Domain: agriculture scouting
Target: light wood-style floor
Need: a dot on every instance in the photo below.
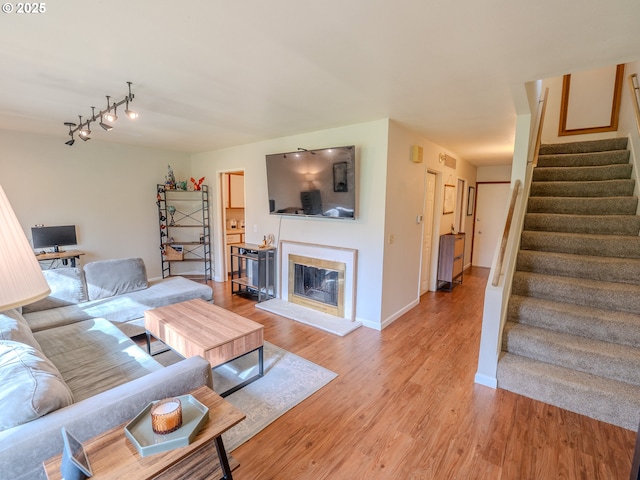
(405, 406)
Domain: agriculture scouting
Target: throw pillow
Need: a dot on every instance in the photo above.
(67, 288)
(14, 327)
(106, 278)
(31, 385)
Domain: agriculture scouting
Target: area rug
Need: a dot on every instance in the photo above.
(323, 321)
(288, 380)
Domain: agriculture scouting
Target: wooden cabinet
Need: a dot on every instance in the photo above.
(450, 260)
(236, 190)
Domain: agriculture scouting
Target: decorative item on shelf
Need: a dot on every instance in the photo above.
(197, 183)
(166, 416)
(181, 185)
(170, 179)
(267, 241)
(83, 129)
(172, 210)
(173, 252)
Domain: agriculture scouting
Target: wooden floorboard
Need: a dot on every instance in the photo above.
(405, 406)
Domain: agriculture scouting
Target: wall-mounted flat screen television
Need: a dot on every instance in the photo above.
(59, 236)
(313, 183)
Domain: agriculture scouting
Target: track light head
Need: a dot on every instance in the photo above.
(130, 113)
(105, 126)
(71, 141)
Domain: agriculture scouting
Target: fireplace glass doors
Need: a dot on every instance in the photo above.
(317, 284)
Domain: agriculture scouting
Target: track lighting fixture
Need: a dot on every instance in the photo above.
(110, 114)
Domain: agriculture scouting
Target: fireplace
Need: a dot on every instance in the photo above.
(317, 284)
(319, 277)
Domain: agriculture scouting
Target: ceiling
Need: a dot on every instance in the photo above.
(210, 74)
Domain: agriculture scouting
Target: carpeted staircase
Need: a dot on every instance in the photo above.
(572, 337)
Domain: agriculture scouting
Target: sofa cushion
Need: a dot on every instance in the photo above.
(106, 278)
(30, 385)
(14, 327)
(94, 355)
(67, 288)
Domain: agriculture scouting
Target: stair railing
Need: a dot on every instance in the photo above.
(497, 293)
(533, 159)
(635, 93)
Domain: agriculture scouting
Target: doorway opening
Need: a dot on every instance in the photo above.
(233, 215)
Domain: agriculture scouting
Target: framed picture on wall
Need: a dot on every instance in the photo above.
(471, 201)
(449, 203)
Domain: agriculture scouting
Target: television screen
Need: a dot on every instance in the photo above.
(45, 237)
(313, 183)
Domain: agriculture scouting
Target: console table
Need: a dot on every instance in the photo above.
(65, 256)
(112, 455)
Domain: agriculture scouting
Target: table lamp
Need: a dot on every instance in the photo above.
(21, 279)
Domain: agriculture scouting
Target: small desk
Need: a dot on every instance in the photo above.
(196, 327)
(64, 256)
(113, 456)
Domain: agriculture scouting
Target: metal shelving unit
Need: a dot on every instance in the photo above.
(253, 271)
(185, 232)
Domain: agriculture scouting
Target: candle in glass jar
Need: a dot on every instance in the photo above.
(166, 416)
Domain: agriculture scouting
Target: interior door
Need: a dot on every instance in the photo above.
(491, 211)
(427, 234)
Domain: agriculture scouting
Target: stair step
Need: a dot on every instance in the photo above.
(590, 293)
(588, 322)
(592, 224)
(584, 159)
(582, 174)
(604, 188)
(584, 205)
(603, 269)
(582, 244)
(606, 400)
(619, 362)
(585, 146)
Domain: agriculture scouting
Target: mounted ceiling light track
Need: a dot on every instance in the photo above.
(110, 114)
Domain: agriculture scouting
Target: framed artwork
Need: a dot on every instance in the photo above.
(449, 199)
(340, 177)
(471, 201)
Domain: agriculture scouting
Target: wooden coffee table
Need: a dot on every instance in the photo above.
(112, 455)
(196, 327)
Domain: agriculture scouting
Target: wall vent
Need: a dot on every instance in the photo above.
(448, 160)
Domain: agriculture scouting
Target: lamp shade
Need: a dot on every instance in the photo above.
(21, 279)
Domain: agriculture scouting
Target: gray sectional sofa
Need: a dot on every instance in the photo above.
(68, 360)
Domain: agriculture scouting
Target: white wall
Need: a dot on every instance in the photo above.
(497, 173)
(364, 234)
(107, 190)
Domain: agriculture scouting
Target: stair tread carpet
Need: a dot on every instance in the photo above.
(593, 188)
(584, 205)
(584, 159)
(583, 244)
(572, 351)
(604, 399)
(594, 224)
(588, 322)
(582, 174)
(590, 293)
(584, 147)
(603, 269)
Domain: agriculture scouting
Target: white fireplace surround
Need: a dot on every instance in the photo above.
(347, 256)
